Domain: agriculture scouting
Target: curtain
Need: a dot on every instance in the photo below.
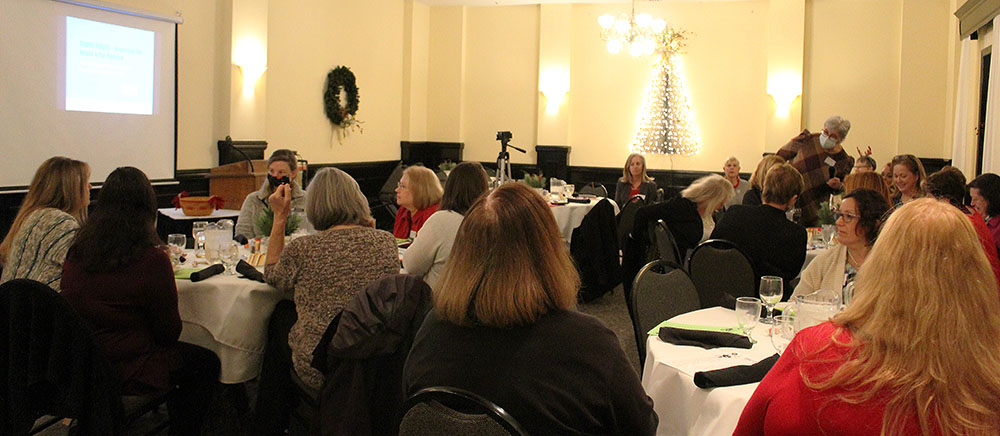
(960, 138)
(991, 162)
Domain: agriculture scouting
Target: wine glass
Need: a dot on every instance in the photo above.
(829, 232)
(747, 314)
(569, 190)
(230, 255)
(771, 290)
(782, 332)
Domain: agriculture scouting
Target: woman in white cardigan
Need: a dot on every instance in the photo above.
(430, 249)
(858, 220)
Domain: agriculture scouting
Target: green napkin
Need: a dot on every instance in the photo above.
(656, 330)
(184, 273)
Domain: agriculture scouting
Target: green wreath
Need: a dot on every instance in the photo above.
(340, 78)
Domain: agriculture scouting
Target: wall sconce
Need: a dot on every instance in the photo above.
(252, 61)
(554, 84)
(784, 88)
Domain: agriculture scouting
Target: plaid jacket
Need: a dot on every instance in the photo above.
(807, 156)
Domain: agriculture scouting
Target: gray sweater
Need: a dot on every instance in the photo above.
(255, 203)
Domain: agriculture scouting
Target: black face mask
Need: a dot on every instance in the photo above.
(276, 182)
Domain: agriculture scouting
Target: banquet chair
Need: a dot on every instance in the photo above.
(666, 246)
(662, 290)
(594, 188)
(721, 272)
(626, 217)
(52, 366)
(595, 252)
(441, 411)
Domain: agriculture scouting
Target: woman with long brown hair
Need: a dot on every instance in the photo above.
(504, 326)
(49, 217)
(914, 353)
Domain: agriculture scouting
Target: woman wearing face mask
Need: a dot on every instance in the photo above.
(282, 168)
(908, 175)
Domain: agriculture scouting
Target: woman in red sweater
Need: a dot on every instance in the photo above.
(915, 352)
(418, 195)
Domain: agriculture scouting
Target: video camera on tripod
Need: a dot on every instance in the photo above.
(503, 160)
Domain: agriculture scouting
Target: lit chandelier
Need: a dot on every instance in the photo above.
(637, 33)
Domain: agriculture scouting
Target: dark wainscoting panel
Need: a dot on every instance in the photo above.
(932, 165)
(430, 153)
(369, 175)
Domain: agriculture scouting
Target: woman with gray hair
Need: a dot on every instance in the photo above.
(282, 168)
(326, 269)
(823, 163)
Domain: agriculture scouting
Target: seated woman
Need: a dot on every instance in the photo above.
(50, 215)
(688, 216)
(752, 197)
(504, 326)
(429, 251)
(948, 185)
(914, 353)
(418, 195)
(326, 269)
(123, 287)
(867, 180)
(985, 194)
(908, 176)
(282, 168)
(634, 181)
(858, 221)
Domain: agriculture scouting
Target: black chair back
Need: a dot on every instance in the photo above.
(626, 217)
(445, 411)
(50, 364)
(662, 290)
(595, 252)
(594, 188)
(666, 246)
(721, 272)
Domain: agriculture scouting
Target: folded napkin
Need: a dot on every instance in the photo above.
(703, 339)
(578, 200)
(249, 271)
(207, 272)
(735, 375)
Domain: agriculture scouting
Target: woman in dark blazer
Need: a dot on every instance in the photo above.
(634, 181)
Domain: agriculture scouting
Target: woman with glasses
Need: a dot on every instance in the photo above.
(858, 220)
(419, 196)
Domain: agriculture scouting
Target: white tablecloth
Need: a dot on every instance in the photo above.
(570, 215)
(178, 214)
(229, 316)
(668, 378)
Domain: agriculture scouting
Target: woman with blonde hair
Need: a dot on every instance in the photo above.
(634, 181)
(50, 215)
(908, 176)
(914, 353)
(752, 197)
(419, 195)
(867, 180)
(504, 326)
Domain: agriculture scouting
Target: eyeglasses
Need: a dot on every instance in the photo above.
(848, 217)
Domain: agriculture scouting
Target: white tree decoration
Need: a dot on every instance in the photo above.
(667, 125)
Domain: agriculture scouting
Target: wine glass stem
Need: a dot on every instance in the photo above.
(770, 314)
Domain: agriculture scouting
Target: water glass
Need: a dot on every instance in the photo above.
(177, 242)
(230, 255)
(747, 314)
(569, 190)
(771, 291)
(782, 332)
(829, 232)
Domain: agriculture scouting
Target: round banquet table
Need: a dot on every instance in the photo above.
(668, 378)
(570, 215)
(228, 315)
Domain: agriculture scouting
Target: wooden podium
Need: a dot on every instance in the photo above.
(234, 181)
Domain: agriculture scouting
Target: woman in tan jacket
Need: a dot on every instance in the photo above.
(860, 216)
